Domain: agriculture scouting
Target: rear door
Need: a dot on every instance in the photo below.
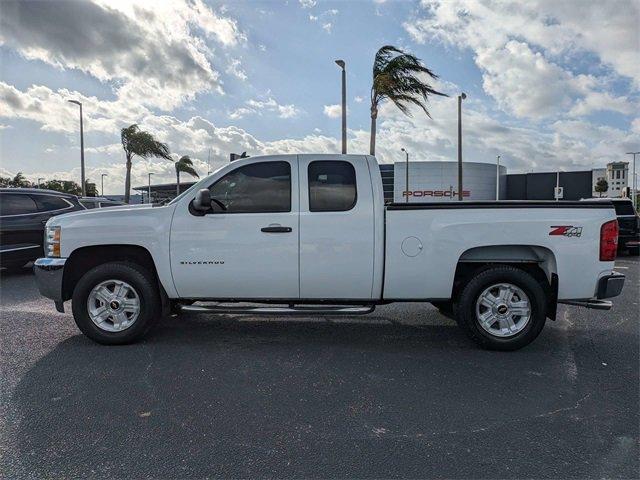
(336, 227)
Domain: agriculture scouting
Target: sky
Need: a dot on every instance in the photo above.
(551, 84)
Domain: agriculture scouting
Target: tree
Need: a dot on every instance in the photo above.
(602, 186)
(396, 77)
(185, 165)
(144, 145)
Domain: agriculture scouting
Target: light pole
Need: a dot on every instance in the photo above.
(461, 97)
(149, 188)
(633, 179)
(39, 178)
(102, 175)
(498, 178)
(82, 182)
(341, 64)
(406, 174)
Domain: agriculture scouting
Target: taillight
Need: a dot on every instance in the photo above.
(608, 241)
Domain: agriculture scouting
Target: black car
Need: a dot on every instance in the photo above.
(629, 224)
(23, 213)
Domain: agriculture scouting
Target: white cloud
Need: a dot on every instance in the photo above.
(151, 52)
(308, 3)
(521, 49)
(235, 69)
(333, 111)
(257, 107)
(358, 99)
(327, 27)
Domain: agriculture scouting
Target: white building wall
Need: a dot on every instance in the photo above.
(436, 181)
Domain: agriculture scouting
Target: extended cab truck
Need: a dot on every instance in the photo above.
(311, 234)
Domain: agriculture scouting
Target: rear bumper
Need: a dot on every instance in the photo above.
(609, 286)
(49, 273)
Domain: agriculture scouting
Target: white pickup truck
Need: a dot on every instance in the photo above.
(310, 234)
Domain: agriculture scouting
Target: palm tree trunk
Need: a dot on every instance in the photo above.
(372, 144)
(177, 182)
(127, 181)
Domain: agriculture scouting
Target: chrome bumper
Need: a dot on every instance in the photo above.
(49, 273)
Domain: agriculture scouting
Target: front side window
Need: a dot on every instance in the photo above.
(256, 188)
(332, 186)
(16, 204)
(87, 204)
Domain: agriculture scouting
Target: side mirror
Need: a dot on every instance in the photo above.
(202, 202)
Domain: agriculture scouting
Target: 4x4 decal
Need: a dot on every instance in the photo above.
(566, 230)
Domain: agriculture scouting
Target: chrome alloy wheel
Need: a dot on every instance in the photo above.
(113, 305)
(503, 310)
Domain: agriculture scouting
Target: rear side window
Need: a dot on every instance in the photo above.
(263, 187)
(624, 208)
(87, 204)
(16, 204)
(47, 203)
(332, 186)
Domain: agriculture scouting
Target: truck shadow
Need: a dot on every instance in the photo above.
(278, 398)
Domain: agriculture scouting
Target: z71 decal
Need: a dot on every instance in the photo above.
(566, 230)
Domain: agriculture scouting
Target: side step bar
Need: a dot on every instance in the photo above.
(291, 310)
(594, 304)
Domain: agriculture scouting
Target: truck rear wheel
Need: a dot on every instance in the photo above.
(502, 308)
(116, 303)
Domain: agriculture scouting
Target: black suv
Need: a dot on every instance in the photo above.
(23, 213)
(629, 224)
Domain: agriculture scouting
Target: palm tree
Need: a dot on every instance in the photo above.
(184, 165)
(396, 78)
(140, 143)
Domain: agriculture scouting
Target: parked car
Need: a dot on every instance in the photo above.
(23, 213)
(309, 234)
(98, 202)
(628, 222)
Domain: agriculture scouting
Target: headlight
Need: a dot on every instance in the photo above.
(52, 241)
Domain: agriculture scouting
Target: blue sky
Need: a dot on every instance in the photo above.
(550, 84)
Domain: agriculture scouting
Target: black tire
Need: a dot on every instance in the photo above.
(465, 308)
(145, 286)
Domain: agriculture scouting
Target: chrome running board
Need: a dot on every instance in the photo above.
(291, 310)
(594, 304)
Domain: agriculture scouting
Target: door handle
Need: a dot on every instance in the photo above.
(276, 229)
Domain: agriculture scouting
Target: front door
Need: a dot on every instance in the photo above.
(249, 250)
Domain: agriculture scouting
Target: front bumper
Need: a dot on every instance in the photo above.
(49, 273)
(609, 286)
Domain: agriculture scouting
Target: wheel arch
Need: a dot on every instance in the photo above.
(538, 261)
(84, 259)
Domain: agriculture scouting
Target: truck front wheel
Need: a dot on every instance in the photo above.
(502, 308)
(116, 303)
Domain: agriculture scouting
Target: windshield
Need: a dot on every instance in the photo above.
(624, 207)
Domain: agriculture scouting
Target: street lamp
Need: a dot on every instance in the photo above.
(149, 188)
(82, 184)
(498, 178)
(633, 180)
(406, 175)
(39, 178)
(341, 64)
(461, 97)
(102, 175)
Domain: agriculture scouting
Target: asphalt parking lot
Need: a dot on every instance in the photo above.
(399, 393)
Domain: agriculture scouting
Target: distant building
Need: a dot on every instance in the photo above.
(618, 178)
